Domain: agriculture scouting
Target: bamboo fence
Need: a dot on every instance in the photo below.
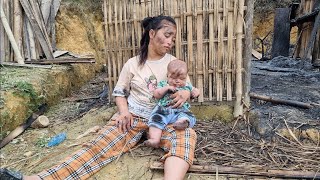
(210, 38)
(27, 29)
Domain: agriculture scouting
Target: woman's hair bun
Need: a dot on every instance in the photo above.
(146, 22)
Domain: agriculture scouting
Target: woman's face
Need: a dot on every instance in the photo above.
(162, 41)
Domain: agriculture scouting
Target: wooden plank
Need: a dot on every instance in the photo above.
(46, 10)
(41, 35)
(9, 33)
(281, 35)
(26, 65)
(62, 61)
(245, 171)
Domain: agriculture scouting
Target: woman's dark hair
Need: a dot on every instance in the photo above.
(147, 24)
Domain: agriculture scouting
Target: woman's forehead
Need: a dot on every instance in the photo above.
(168, 26)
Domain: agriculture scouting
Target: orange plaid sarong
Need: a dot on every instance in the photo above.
(109, 145)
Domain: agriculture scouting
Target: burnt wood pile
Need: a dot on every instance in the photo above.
(304, 15)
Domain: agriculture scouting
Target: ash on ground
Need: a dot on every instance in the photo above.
(288, 79)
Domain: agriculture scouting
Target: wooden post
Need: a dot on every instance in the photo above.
(313, 37)
(2, 39)
(14, 45)
(38, 27)
(248, 51)
(281, 35)
(238, 108)
(18, 26)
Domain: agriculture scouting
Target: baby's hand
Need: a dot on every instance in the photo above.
(171, 89)
(195, 92)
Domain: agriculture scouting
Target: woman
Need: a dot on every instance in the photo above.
(134, 100)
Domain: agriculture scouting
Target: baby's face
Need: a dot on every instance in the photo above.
(177, 81)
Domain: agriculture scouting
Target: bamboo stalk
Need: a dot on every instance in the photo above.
(238, 108)
(219, 51)
(230, 56)
(106, 48)
(14, 45)
(248, 53)
(190, 61)
(200, 64)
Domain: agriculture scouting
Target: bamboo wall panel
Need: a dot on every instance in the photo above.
(209, 39)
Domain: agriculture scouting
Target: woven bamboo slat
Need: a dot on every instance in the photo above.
(209, 38)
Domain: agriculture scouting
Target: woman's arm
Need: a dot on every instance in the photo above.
(124, 120)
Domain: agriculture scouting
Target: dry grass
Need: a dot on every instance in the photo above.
(218, 144)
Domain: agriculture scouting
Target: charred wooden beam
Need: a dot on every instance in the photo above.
(281, 35)
(310, 17)
(281, 101)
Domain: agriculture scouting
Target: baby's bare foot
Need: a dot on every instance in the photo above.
(151, 143)
(181, 124)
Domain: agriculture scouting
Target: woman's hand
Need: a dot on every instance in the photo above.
(179, 98)
(124, 121)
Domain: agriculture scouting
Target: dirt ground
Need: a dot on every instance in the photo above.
(245, 145)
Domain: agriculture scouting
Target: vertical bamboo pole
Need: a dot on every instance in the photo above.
(219, 53)
(200, 61)
(178, 36)
(134, 28)
(112, 41)
(117, 39)
(124, 32)
(106, 48)
(211, 50)
(238, 108)
(229, 52)
(190, 39)
(224, 59)
(248, 47)
(14, 45)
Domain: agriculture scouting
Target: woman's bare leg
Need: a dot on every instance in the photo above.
(175, 168)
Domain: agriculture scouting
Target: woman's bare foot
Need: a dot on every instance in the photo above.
(152, 143)
(181, 124)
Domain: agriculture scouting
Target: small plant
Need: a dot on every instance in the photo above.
(42, 141)
(26, 90)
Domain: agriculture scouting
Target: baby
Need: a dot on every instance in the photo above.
(163, 114)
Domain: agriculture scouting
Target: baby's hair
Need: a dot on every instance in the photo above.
(177, 67)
